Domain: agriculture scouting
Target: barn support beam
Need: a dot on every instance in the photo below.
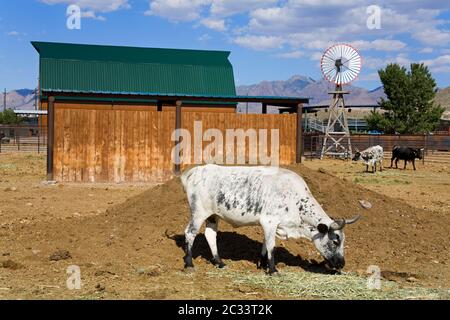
(159, 105)
(264, 108)
(50, 137)
(298, 149)
(177, 166)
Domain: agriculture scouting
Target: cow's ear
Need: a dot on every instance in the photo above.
(323, 228)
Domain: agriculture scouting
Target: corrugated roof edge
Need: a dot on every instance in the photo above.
(74, 51)
(236, 97)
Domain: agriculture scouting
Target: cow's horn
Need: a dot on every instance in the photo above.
(339, 224)
(352, 220)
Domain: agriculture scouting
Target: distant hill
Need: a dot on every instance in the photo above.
(443, 98)
(301, 86)
(23, 99)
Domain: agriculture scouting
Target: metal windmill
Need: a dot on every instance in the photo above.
(340, 65)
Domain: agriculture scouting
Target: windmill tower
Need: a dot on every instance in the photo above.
(340, 65)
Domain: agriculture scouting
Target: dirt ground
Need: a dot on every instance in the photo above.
(126, 239)
(426, 188)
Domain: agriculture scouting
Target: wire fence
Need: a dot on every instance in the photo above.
(436, 147)
(33, 138)
(20, 138)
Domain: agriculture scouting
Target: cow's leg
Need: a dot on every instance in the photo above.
(211, 236)
(270, 230)
(367, 168)
(392, 160)
(263, 258)
(414, 164)
(381, 165)
(404, 167)
(190, 233)
(396, 161)
(374, 167)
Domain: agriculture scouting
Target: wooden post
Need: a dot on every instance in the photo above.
(159, 105)
(177, 167)
(298, 151)
(50, 136)
(264, 108)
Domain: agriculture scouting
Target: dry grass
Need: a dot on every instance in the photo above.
(308, 285)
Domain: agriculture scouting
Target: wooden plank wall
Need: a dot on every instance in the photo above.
(135, 145)
(112, 145)
(285, 123)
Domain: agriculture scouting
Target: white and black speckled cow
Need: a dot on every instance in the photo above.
(277, 199)
(372, 156)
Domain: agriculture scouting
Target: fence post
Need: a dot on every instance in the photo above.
(424, 148)
(298, 153)
(50, 138)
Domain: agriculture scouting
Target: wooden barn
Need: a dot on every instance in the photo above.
(112, 110)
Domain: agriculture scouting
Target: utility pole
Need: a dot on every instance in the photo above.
(4, 100)
(35, 99)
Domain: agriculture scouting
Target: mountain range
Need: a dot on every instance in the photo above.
(23, 99)
(317, 91)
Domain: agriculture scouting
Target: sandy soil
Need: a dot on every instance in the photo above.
(127, 239)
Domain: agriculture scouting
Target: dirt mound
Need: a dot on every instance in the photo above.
(146, 233)
(398, 238)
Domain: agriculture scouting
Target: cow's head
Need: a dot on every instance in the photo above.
(357, 155)
(418, 153)
(330, 241)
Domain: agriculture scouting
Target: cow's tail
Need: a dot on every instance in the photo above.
(185, 176)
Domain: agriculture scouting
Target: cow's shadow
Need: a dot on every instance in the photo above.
(238, 247)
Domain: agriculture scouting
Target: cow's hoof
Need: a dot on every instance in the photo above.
(188, 269)
(219, 264)
(274, 273)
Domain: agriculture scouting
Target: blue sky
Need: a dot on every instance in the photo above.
(269, 39)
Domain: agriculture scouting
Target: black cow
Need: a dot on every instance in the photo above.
(406, 154)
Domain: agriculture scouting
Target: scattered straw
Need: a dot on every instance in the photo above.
(308, 285)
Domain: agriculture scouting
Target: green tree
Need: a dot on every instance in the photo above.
(9, 117)
(409, 107)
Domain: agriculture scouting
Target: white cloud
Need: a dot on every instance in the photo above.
(204, 37)
(440, 64)
(370, 77)
(259, 42)
(378, 63)
(433, 37)
(177, 10)
(94, 5)
(215, 24)
(380, 45)
(13, 34)
(291, 55)
(426, 50)
(92, 15)
(232, 7)
(91, 7)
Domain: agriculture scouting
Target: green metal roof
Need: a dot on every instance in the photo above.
(129, 70)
